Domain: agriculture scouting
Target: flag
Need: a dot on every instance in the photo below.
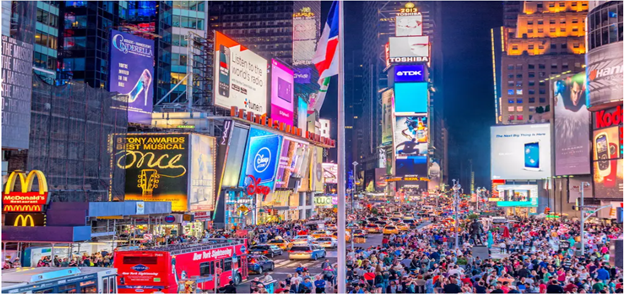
(326, 57)
(317, 102)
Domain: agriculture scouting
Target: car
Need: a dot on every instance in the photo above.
(327, 242)
(395, 219)
(390, 229)
(266, 249)
(381, 223)
(313, 252)
(397, 214)
(360, 232)
(331, 226)
(281, 243)
(320, 233)
(259, 264)
(402, 226)
(372, 219)
(302, 240)
(372, 228)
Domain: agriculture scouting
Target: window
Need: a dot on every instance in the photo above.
(518, 83)
(531, 99)
(519, 100)
(542, 83)
(553, 66)
(541, 66)
(540, 46)
(532, 109)
(510, 109)
(573, 4)
(530, 31)
(519, 91)
(519, 67)
(140, 260)
(552, 21)
(530, 22)
(519, 76)
(575, 21)
(553, 30)
(540, 5)
(175, 40)
(576, 45)
(531, 47)
(531, 91)
(531, 75)
(553, 46)
(515, 47)
(564, 46)
(562, 30)
(205, 268)
(531, 66)
(182, 59)
(542, 100)
(510, 76)
(520, 117)
(540, 30)
(227, 264)
(542, 91)
(540, 21)
(511, 117)
(562, 21)
(531, 83)
(564, 66)
(561, 4)
(520, 108)
(510, 83)
(75, 43)
(551, 4)
(510, 101)
(510, 67)
(510, 92)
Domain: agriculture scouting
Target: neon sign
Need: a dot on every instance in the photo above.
(255, 188)
(26, 197)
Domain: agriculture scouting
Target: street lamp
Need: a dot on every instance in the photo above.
(355, 163)
(456, 188)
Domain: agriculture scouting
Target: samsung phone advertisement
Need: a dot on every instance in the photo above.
(261, 158)
(240, 76)
(520, 151)
(571, 125)
(411, 136)
(132, 75)
(281, 93)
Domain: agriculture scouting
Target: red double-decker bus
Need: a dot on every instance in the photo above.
(169, 267)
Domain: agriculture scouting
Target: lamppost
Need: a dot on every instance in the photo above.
(355, 163)
(456, 188)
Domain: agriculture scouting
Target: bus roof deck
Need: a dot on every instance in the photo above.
(206, 244)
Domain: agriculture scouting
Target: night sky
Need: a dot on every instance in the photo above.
(468, 83)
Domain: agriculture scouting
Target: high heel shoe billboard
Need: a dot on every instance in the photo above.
(131, 75)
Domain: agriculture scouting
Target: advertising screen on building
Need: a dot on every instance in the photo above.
(608, 179)
(285, 162)
(521, 195)
(132, 75)
(240, 76)
(409, 25)
(302, 115)
(411, 136)
(17, 61)
(409, 49)
(261, 158)
(203, 157)
(572, 124)
(316, 169)
(605, 67)
(235, 154)
(282, 100)
(303, 75)
(410, 98)
(608, 145)
(306, 27)
(387, 99)
(380, 178)
(156, 167)
(520, 151)
(411, 166)
(409, 73)
(330, 173)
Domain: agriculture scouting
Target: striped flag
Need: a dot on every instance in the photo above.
(326, 57)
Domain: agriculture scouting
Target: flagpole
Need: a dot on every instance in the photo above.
(342, 249)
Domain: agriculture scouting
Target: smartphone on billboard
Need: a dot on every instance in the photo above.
(531, 156)
(602, 154)
(284, 90)
(224, 71)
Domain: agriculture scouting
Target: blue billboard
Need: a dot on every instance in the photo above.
(415, 165)
(261, 157)
(409, 73)
(131, 75)
(410, 98)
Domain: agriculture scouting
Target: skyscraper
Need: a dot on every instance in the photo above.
(547, 39)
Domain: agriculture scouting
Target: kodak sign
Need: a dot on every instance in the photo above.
(25, 198)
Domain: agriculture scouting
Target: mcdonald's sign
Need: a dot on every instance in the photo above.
(24, 219)
(25, 196)
(22, 208)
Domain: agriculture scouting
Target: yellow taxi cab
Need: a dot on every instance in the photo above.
(372, 228)
(320, 233)
(390, 229)
(281, 243)
(402, 226)
(347, 236)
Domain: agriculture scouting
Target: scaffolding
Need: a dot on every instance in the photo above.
(70, 126)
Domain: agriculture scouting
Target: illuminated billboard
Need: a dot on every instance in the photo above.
(411, 166)
(409, 73)
(608, 179)
(155, 167)
(409, 49)
(608, 146)
(282, 100)
(409, 25)
(316, 169)
(285, 163)
(202, 184)
(132, 75)
(261, 158)
(235, 154)
(302, 115)
(520, 151)
(572, 124)
(410, 98)
(306, 26)
(605, 72)
(330, 172)
(387, 99)
(411, 136)
(521, 195)
(240, 76)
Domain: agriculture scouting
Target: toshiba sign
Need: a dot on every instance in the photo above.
(605, 74)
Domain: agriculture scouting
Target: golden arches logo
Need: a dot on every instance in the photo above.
(22, 208)
(26, 181)
(24, 219)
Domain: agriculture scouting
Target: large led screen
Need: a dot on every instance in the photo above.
(282, 100)
(572, 123)
(410, 98)
(409, 49)
(409, 73)
(411, 136)
(285, 162)
(316, 169)
(608, 179)
(409, 25)
(235, 154)
(520, 151)
(521, 195)
(132, 75)
(261, 158)
(240, 76)
(156, 167)
(411, 166)
(330, 173)
(203, 156)
(605, 73)
(387, 98)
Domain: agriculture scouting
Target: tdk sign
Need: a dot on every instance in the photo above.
(409, 73)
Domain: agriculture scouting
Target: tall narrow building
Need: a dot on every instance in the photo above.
(547, 39)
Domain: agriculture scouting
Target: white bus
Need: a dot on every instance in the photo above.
(27, 280)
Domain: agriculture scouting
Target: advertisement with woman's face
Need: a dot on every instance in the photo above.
(572, 124)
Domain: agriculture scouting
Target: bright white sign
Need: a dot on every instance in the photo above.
(520, 151)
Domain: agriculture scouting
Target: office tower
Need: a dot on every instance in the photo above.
(46, 40)
(547, 39)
